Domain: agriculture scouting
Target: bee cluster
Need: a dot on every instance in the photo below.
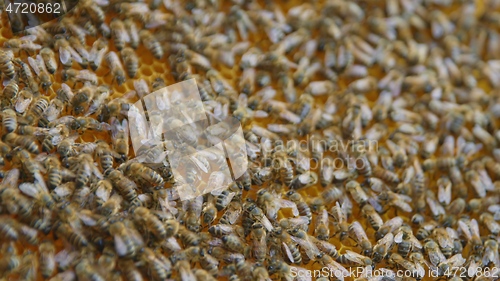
(416, 80)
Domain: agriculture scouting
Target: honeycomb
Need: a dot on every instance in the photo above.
(151, 68)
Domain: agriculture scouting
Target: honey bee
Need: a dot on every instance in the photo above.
(209, 210)
(232, 213)
(142, 173)
(302, 206)
(38, 192)
(373, 217)
(47, 258)
(25, 43)
(389, 226)
(9, 121)
(357, 232)
(115, 67)
(26, 142)
(10, 261)
(152, 223)
(304, 180)
(151, 43)
(27, 76)
(433, 252)
(102, 94)
(417, 271)
(9, 228)
(125, 243)
(322, 229)
(85, 270)
(119, 33)
(119, 135)
(357, 193)
(474, 179)
(105, 154)
(488, 220)
(97, 53)
(131, 61)
(6, 64)
(74, 237)
(327, 261)
(292, 251)
(385, 175)
(256, 213)
(129, 269)
(383, 247)
(184, 270)
(406, 241)
(82, 98)
(11, 90)
(400, 201)
(444, 163)
(259, 244)
(340, 221)
(81, 76)
(188, 238)
(66, 52)
(29, 266)
(133, 32)
(126, 187)
(470, 230)
(157, 268)
(271, 203)
(80, 50)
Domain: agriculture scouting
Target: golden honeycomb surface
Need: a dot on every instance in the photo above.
(151, 68)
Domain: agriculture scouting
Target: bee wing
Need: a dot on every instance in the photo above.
(456, 260)
(266, 223)
(40, 181)
(355, 257)
(165, 206)
(29, 189)
(199, 164)
(472, 270)
(87, 219)
(336, 267)
(30, 38)
(399, 237)
(11, 178)
(288, 252)
(115, 127)
(289, 204)
(416, 243)
(75, 55)
(420, 269)
(435, 207)
(103, 193)
(452, 233)
(41, 64)
(233, 216)
(491, 256)
(474, 227)
(67, 91)
(386, 240)
(22, 104)
(33, 63)
(120, 246)
(375, 204)
(64, 257)
(63, 191)
(310, 248)
(7, 81)
(97, 173)
(64, 55)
